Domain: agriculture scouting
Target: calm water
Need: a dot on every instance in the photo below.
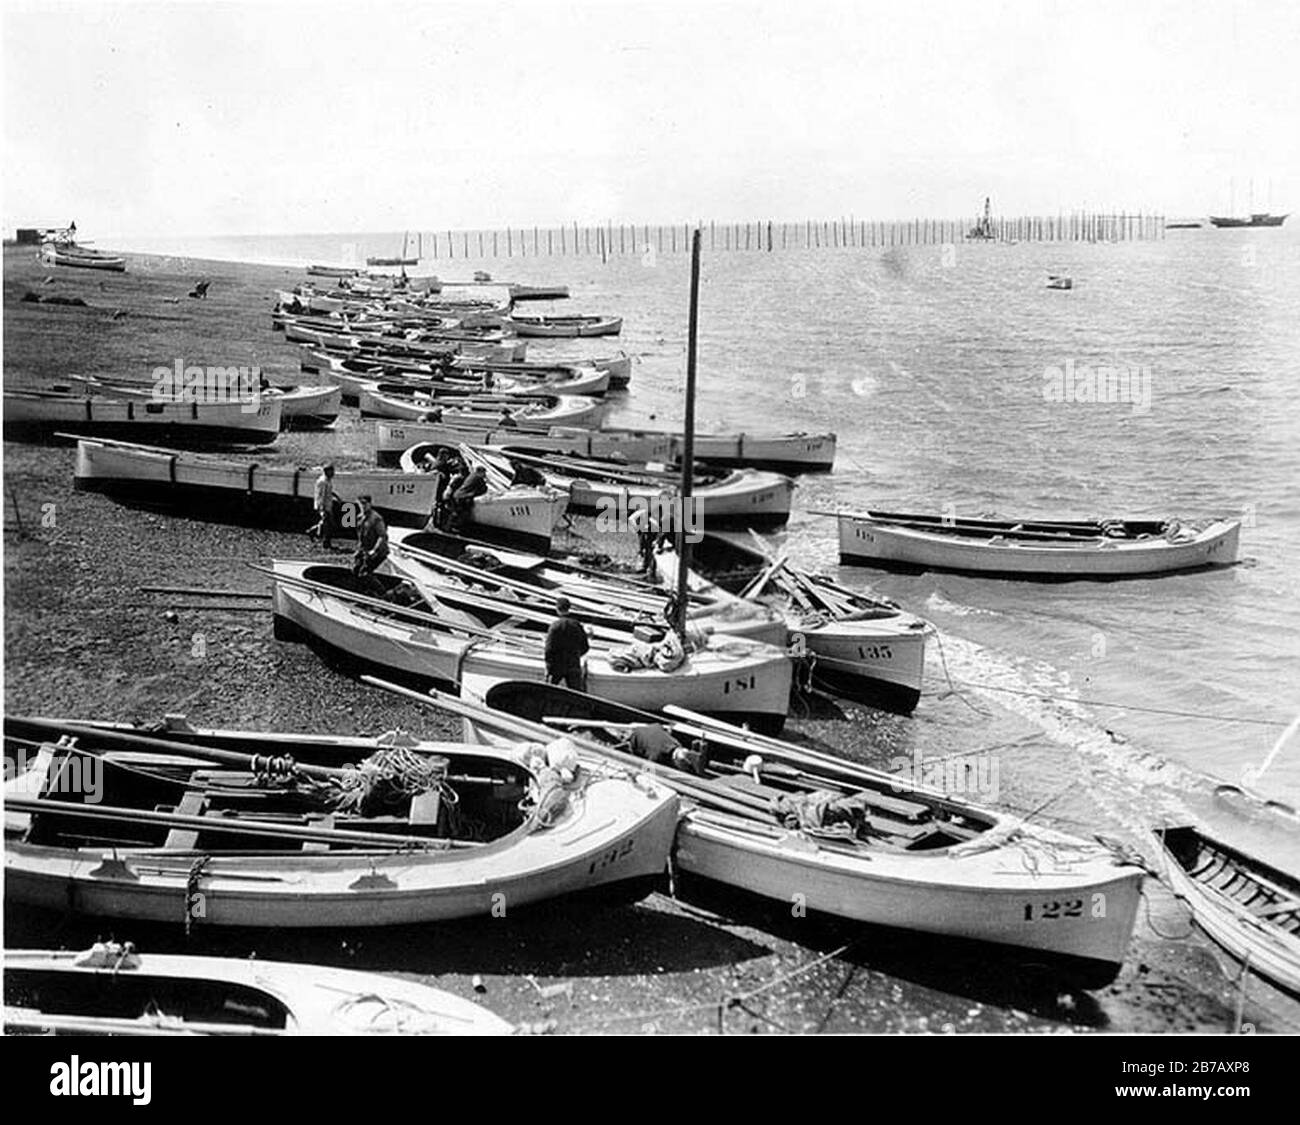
(930, 367)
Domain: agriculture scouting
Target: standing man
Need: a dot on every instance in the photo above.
(324, 504)
(372, 545)
(647, 533)
(566, 645)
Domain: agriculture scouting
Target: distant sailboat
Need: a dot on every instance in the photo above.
(1254, 219)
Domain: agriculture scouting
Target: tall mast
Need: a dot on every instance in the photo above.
(688, 440)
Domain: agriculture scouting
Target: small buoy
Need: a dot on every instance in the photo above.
(477, 984)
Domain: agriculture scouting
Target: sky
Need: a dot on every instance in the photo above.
(285, 117)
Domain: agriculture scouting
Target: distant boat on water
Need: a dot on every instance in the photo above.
(1258, 219)
(1183, 226)
(403, 260)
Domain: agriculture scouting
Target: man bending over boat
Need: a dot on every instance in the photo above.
(462, 499)
(372, 546)
(566, 645)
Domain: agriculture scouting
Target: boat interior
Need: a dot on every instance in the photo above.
(277, 800)
(843, 805)
(1029, 530)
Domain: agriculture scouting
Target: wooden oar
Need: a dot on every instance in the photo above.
(130, 740)
(397, 610)
(226, 824)
(698, 789)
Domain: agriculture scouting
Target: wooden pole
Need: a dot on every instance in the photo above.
(688, 439)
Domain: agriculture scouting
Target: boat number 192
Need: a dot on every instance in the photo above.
(874, 652)
(611, 857)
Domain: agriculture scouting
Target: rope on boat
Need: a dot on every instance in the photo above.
(192, 889)
(391, 777)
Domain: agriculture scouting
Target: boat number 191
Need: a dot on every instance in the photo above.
(612, 856)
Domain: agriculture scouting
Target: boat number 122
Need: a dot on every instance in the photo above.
(612, 856)
(1047, 911)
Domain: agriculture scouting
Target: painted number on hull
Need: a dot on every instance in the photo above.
(741, 683)
(763, 498)
(520, 510)
(863, 533)
(1051, 911)
(612, 856)
(875, 652)
(401, 488)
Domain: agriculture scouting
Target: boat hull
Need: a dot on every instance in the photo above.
(1082, 912)
(243, 491)
(42, 417)
(868, 542)
(732, 678)
(615, 832)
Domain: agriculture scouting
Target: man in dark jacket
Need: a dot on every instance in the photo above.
(462, 500)
(566, 645)
(372, 546)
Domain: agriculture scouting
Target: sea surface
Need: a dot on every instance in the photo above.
(934, 365)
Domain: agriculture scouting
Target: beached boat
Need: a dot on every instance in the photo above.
(1042, 549)
(113, 989)
(1248, 908)
(231, 828)
(393, 438)
(609, 603)
(852, 644)
(567, 326)
(302, 407)
(780, 820)
(433, 643)
(383, 346)
(737, 498)
(41, 415)
(284, 496)
(411, 402)
(332, 271)
(80, 257)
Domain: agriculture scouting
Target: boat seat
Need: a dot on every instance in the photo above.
(187, 839)
(324, 820)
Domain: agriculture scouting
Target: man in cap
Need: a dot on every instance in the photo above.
(566, 645)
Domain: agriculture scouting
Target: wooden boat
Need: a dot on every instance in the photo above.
(332, 271)
(393, 438)
(432, 643)
(512, 351)
(284, 496)
(80, 257)
(610, 604)
(302, 407)
(1248, 908)
(41, 415)
(232, 828)
(854, 645)
(632, 446)
(350, 370)
(777, 820)
(1042, 549)
(747, 498)
(1055, 281)
(567, 326)
(782, 453)
(399, 260)
(113, 989)
(413, 403)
